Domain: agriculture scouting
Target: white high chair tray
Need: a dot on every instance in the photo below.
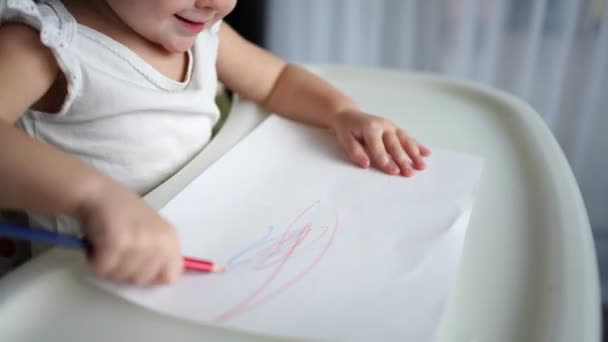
(528, 270)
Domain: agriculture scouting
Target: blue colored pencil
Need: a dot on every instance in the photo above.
(67, 241)
(52, 238)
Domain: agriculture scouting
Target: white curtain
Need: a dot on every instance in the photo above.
(551, 53)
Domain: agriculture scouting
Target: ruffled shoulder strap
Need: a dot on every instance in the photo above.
(57, 30)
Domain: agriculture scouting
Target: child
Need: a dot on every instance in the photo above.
(101, 100)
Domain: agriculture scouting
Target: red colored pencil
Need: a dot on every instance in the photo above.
(191, 264)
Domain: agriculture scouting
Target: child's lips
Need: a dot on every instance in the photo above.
(193, 26)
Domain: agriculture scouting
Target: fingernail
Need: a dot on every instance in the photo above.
(360, 162)
(364, 162)
(394, 169)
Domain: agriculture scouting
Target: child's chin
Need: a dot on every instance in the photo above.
(179, 45)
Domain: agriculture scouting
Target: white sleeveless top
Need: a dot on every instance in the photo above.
(120, 115)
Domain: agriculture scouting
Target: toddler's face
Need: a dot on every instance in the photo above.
(172, 24)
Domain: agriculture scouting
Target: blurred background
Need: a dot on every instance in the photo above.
(551, 53)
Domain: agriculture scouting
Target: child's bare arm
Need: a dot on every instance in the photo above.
(132, 242)
(297, 94)
(281, 87)
(33, 176)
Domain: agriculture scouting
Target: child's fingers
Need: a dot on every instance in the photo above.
(354, 150)
(173, 265)
(394, 148)
(104, 260)
(377, 151)
(131, 263)
(412, 148)
(424, 151)
(170, 271)
(148, 271)
(138, 266)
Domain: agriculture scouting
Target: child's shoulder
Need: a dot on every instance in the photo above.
(38, 28)
(35, 43)
(21, 44)
(16, 31)
(28, 67)
(50, 18)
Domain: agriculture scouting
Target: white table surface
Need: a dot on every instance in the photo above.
(528, 270)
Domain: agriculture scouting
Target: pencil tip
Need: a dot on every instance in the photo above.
(218, 268)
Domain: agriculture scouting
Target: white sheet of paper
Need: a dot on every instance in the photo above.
(315, 247)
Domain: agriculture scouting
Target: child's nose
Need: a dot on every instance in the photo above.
(201, 4)
(208, 7)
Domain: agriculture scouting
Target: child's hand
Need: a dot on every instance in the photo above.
(365, 137)
(131, 242)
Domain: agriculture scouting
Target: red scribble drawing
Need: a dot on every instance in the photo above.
(276, 252)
